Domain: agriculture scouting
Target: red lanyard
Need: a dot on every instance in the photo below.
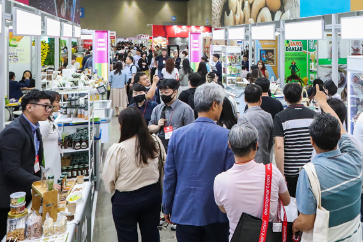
(266, 203)
(145, 108)
(170, 118)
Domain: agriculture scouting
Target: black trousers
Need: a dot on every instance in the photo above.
(218, 232)
(3, 221)
(292, 184)
(137, 207)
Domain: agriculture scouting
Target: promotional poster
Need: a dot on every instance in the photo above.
(267, 51)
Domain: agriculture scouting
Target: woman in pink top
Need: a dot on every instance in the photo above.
(241, 188)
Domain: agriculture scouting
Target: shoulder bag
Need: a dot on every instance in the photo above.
(162, 158)
(320, 232)
(252, 229)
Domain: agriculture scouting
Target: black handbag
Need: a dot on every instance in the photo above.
(249, 228)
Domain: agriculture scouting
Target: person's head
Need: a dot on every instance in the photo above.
(27, 75)
(164, 52)
(11, 76)
(253, 94)
(168, 89)
(143, 55)
(129, 53)
(248, 77)
(150, 51)
(321, 86)
(212, 77)
(176, 54)
(202, 68)
(157, 48)
(208, 98)
(261, 65)
(242, 140)
(132, 123)
(339, 108)
(203, 59)
(88, 52)
(324, 132)
(169, 65)
(144, 48)
(292, 92)
(227, 117)
(118, 68)
(194, 79)
(216, 57)
(74, 58)
(185, 53)
(129, 60)
(55, 98)
(264, 83)
(138, 52)
(245, 58)
(36, 105)
(330, 88)
(138, 92)
(142, 78)
(256, 73)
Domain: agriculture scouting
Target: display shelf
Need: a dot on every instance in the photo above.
(63, 119)
(70, 150)
(232, 64)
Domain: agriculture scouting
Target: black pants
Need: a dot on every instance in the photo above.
(218, 232)
(292, 184)
(137, 207)
(3, 221)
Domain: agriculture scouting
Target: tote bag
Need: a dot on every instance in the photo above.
(320, 232)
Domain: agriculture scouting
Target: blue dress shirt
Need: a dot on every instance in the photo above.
(118, 80)
(197, 153)
(34, 128)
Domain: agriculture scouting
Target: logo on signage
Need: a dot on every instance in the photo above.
(296, 46)
(173, 18)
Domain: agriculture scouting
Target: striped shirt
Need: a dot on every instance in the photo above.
(293, 125)
(339, 173)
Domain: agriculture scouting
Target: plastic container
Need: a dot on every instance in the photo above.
(16, 225)
(17, 209)
(17, 198)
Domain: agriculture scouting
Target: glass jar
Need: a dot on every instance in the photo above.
(69, 172)
(69, 102)
(86, 116)
(81, 169)
(64, 170)
(69, 111)
(86, 101)
(77, 101)
(73, 101)
(74, 112)
(77, 143)
(65, 142)
(75, 171)
(64, 110)
(16, 226)
(84, 142)
(50, 183)
(79, 112)
(86, 170)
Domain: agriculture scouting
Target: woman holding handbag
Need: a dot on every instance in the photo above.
(131, 174)
(244, 198)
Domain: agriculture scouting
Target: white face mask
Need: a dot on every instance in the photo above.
(182, 56)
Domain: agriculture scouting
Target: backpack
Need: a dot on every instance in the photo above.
(191, 101)
(137, 69)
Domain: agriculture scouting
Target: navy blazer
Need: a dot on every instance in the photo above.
(17, 158)
(219, 71)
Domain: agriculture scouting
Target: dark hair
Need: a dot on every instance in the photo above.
(74, 57)
(88, 52)
(138, 50)
(204, 58)
(137, 76)
(292, 92)
(325, 131)
(119, 68)
(186, 66)
(185, 53)
(344, 94)
(331, 87)
(203, 71)
(264, 83)
(217, 56)
(169, 65)
(321, 86)
(249, 75)
(211, 76)
(168, 83)
(157, 46)
(195, 79)
(263, 65)
(163, 49)
(256, 73)
(245, 56)
(133, 123)
(339, 108)
(54, 96)
(227, 116)
(35, 96)
(253, 93)
(138, 88)
(11, 75)
(130, 57)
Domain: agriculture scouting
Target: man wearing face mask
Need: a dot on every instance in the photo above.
(145, 106)
(171, 114)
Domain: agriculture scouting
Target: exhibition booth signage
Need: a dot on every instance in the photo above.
(178, 30)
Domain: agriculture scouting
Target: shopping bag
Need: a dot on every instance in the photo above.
(291, 211)
(320, 232)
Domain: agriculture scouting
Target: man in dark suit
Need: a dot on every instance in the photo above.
(218, 67)
(21, 151)
(87, 56)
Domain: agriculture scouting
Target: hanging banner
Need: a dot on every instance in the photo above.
(267, 51)
(178, 30)
(19, 54)
(195, 52)
(100, 53)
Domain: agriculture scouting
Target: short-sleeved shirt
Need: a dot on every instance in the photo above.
(270, 105)
(173, 75)
(241, 190)
(293, 125)
(130, 72)
(339, 173)
(118, 80)
(161, 61)
(146, 109)
(136, 60)
(177, 115)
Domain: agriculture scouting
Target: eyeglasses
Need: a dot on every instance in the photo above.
(46, 107)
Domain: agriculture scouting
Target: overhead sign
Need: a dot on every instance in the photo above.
(181, 31)
(173, 18)
(82, 12)
(100, 48)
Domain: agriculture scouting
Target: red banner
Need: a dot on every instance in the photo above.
(23, 1)
(178, 30)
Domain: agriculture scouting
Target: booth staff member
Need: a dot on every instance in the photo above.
(21, 151)
(218, 67)
(15, 87)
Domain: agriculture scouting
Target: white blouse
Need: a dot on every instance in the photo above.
(173, 75)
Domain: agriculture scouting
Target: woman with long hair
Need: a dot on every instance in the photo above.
(184, 74)
(131, 175)
(27, 75)
(169, 71)
(228, 117)
(263, 69)
(256, 73)
(203, 71)
(118, 80)
(49, 132)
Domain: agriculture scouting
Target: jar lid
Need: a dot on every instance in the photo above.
(69, 167)
(18, 195)
(50, 177)
(60, 180)
(64, 173)
(25, 213)
(75, 167)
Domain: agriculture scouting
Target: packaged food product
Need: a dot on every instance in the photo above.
(60, 226)
(16, 226)
(17, 198)
(34, 226)
(48, 227)
(17, 209)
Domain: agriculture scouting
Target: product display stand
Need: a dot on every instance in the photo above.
(231, 64)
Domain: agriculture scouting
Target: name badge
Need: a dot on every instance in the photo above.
(277, 227)
(36, 164)
(168, 132)
(164, 62)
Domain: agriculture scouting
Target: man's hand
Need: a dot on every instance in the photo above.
(161, 122)
(167, 218)
(320, 96)
(294, 229)
(156, 79)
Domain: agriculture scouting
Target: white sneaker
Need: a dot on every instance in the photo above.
(173, 227)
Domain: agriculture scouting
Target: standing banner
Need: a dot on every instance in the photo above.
(296, 61)
(19, 54)
(195, 49)
(267, 51)
(100, 53)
